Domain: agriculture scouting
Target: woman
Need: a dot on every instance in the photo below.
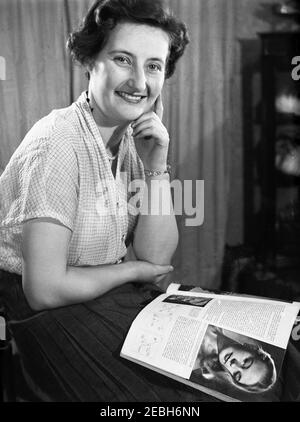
(225, 355)
(77, 261)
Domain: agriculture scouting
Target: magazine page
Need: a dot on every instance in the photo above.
(182, 289)
(295, 334)
(266, 319)
(177, 287)
(217, 341)
(164, 335)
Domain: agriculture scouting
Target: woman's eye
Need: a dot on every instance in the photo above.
(247, 363)
(122, 60)
(154, 67)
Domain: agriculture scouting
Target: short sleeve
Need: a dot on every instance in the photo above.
(41, 181)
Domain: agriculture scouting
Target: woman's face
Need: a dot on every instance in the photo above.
(242, 365)
(129, 72)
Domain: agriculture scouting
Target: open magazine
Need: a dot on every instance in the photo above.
(227, 345)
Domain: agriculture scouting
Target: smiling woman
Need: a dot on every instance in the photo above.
(76, 265)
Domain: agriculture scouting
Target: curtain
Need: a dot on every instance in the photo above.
(200, 112)
(203, 117)
(39, 73)
(36, 77)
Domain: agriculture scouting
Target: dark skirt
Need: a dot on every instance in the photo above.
(72, 353)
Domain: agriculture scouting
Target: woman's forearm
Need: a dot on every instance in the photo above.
(81, 284)
(77, 284)
(156, 234)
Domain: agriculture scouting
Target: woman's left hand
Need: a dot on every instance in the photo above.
(152, 138)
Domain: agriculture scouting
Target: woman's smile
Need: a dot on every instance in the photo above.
(131, 98)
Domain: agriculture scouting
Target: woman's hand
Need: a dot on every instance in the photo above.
(152, 138)
(146, 272)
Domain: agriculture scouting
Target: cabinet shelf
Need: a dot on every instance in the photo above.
(287, 119)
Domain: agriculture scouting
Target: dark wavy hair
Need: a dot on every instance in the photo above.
(85, 43)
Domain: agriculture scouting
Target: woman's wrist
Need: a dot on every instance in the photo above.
(150, 179)
(154, 172)
(131, 270)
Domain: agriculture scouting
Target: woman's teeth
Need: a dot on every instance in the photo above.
(130, 97)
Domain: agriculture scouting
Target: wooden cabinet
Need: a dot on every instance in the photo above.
(279, 151)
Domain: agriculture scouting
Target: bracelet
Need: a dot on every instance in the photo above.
(157, 172)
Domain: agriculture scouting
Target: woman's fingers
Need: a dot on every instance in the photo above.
(146, 125)
(146, 271)
(163, 269)
(151, 129)
(157, 110)
(144, 117)
(158, 107)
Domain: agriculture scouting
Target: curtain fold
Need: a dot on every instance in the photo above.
(37, 74)
(200, 110)
(201, 115)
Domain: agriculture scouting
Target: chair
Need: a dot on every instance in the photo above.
(14, 385)
(7, 390)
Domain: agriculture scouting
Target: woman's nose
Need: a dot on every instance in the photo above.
(138, 80)
(234, 363)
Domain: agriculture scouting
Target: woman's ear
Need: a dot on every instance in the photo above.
(90, 66)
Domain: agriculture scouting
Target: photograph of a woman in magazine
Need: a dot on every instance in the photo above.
(236, 364)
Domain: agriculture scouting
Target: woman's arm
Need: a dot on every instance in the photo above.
(48, 281)
(156, 236)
